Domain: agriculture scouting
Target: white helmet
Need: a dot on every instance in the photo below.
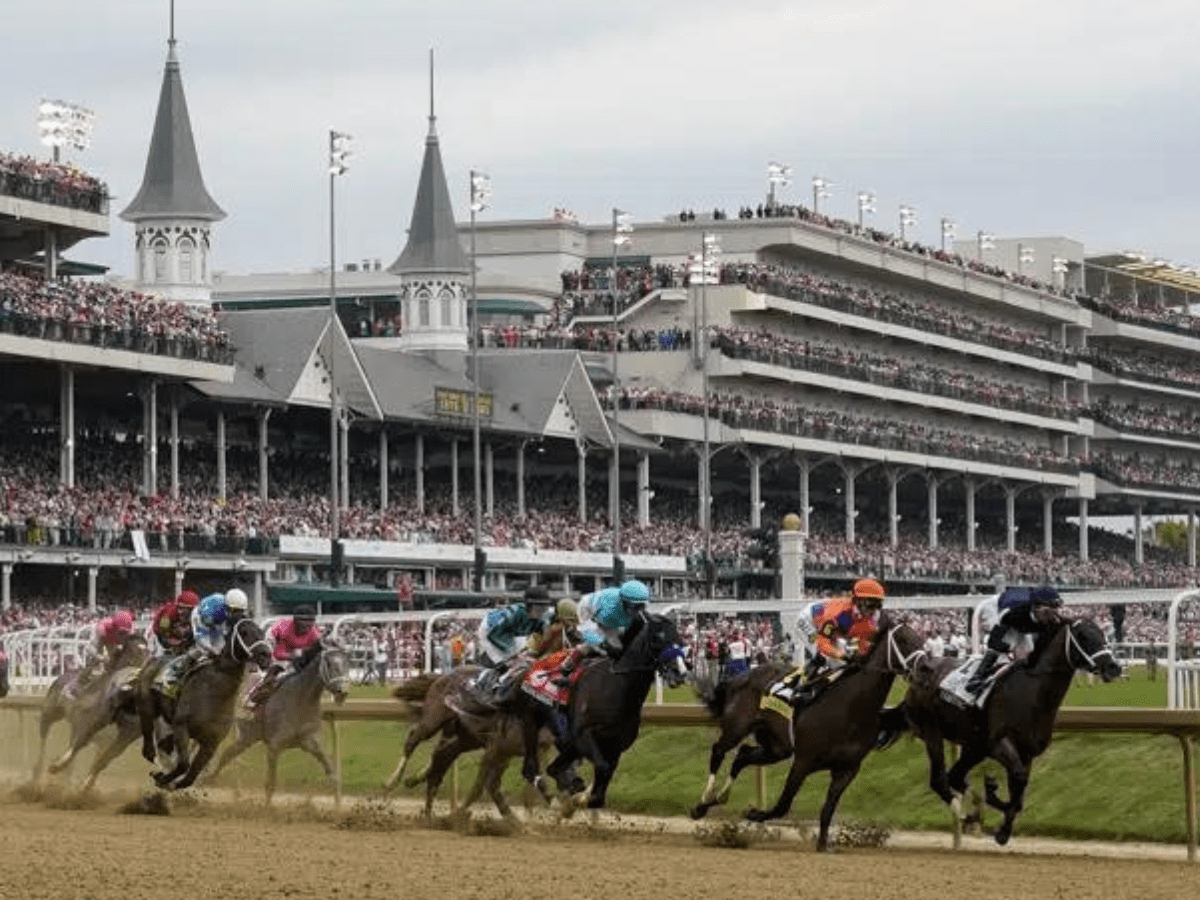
(235, 599)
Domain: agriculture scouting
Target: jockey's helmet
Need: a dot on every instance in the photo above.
(304, 614)
(1045, 596)
(567, 611)
(867, 594)
(213, 611)
(122, 623)
(235, 600)
(188, 599)
(537, 595)
(634, 591)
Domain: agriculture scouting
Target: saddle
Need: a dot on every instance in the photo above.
(796, 690)
(953, 686)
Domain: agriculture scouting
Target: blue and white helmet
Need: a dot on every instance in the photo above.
(212, 610)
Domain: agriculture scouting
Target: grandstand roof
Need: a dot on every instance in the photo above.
(173, 186)
(433, 244)
(1157, 271)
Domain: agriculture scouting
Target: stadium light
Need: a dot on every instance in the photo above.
(481, 195)
(62, 124)
(983, 241)
(821, 191)
(947, 231)
(706, 269)
(339, 149)
(778, 175)
(1058, 267)
(866, 204)
(1025, 257)
(622, 225)
(908, 218)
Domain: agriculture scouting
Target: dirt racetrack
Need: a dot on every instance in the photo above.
(69, 847)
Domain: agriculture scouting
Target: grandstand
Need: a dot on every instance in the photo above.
(935, 418)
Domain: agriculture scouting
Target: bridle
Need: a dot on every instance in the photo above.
(239, 643)
(335, 684)
(894, 652)
(1089, 659)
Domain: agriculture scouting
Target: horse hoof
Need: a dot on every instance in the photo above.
(148, 753)
(1002, 836)
(699, 811)
(755, 815)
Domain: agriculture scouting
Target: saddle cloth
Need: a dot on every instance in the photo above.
(954, 684)
(540, 682)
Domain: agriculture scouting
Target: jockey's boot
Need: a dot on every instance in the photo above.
(980, 676)
(786, 689)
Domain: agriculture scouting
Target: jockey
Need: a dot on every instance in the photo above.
(238, 606)
(835, 631)
(171, 625)
(109, 638)
(210, 630)
(1022, 612)
(290, 639)
(612, 612)
(561, 634)
(498, 642)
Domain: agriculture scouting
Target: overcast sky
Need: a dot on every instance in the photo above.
(1022, 118)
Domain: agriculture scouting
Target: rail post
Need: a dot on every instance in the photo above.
(1189, 792)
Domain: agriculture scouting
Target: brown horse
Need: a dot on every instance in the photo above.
(841, 725)
(499, 735)
(1017, 720)
(736, 703)
(88, 710)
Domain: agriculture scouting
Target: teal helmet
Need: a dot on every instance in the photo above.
(634, 591)
(607, 595)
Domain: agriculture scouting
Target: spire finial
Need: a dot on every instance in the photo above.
(432, 117)
(171, 38)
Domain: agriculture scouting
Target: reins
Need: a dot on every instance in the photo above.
(1089, 658)
(906, 660)
(247, 650)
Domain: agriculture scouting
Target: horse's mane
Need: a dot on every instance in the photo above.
(1044, 639)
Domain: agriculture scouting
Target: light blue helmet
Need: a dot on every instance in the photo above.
(635, 591)
(607, 595)
(212, 610)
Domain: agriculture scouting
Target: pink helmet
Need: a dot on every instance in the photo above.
(122, 622)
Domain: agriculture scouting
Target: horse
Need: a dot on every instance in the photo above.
(3, 674)
(604, 710)
(98, 704)
(291, 716)
(203, 712)
(500, 735)
(1016, 722)
(837, 730)
(736, 703)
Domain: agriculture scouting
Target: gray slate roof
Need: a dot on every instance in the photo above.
(433, 245)
(173, 186)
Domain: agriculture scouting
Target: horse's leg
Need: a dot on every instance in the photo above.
(244, 738)
(439, 764)
(126, 733)
(200, 760)
(1018, 780)
(716, 758)
(183, 746)
(968, 758)
(310, 743)
(839, 780)
(795, 779)
(81, 736)
(935, 750)
(147, 713)
(51, 713)
(417, 735)
(272, 772)
(602, 769)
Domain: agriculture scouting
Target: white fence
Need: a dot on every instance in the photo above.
(36, 656)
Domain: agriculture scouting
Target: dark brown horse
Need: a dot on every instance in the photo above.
(500, 735)
(737, 704)
(3, 674)
(839, 728)
(1017, 720)
(203, 712)
(291, 716)
(88, 710)
(604, 711)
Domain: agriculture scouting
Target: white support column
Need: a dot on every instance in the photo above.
(805, 505)
(582, 477)
(264, 482)
(66, 426)
(1138, 548)
(755, 490)
(93, 573)
(175, 448)
(454, 505)
(701, 504)
(383, 468)
(1048, 525)
(150, 430)
(893, 477)
(969, 488)
(344, 458)
(521, 477)
(180, 574)
(6, 571)
(1083, 529)
(932, 506)
(258, 604)
(850, 474)
(221, 454)
(1191, 533)
(419, 471)
(1010, 516)
(489, 473)
(643, 493)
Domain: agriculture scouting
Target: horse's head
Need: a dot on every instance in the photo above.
(658, 645)
(1087, 649)
(247, 643)
(896, 647)
(132, 652)
(335, 668)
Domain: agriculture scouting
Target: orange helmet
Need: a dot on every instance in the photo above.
(870, 590)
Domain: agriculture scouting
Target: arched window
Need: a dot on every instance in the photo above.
(423, 309)
(187, 255)
(160, 260)
(446, 306)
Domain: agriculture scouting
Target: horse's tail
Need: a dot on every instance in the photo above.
(712, 693)
(415, 689)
